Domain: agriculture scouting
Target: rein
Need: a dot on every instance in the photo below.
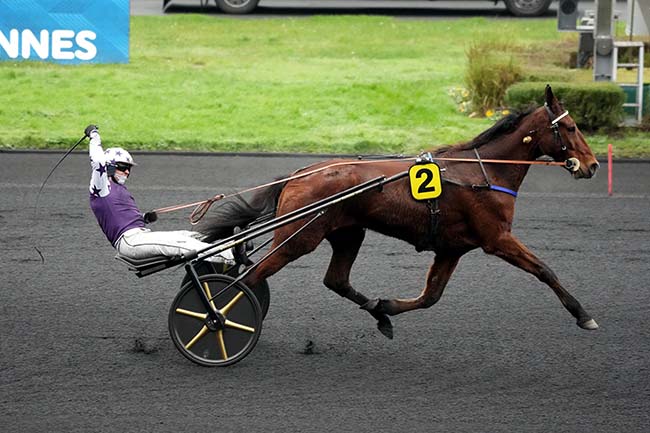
(202, 207)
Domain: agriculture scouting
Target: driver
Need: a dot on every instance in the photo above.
(119, 217)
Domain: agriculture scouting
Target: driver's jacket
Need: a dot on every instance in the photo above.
(112, 204)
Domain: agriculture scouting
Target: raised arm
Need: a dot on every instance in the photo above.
(99, 185)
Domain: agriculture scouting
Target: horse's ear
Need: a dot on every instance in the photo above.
(551, 101)
(549, 96)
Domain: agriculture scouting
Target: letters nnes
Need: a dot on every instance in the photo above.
(57, 45)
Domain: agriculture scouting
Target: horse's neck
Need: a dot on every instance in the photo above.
(510, 146)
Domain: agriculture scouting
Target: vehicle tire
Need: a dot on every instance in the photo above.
(527, 8)
(237, 6)
(209, 344)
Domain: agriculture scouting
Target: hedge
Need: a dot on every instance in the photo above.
(592, 105)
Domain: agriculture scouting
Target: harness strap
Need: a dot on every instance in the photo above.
(503, 189)
(488, 184)
(480, 163)
(432, 237)
(560, 117)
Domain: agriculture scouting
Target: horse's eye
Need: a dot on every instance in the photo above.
(571, 129)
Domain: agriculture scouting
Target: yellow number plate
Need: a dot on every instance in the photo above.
(425, 181)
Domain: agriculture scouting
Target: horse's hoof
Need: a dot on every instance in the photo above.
(590, 324)
(374, 307)
(385, 327)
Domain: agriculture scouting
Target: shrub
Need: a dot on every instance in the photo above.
(490, 71)
(549, 74)
(592, 105)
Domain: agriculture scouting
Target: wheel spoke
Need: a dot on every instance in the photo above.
(200, 316)
(232, 303)
(197, 337)
(207, 292)
(239, 326)
(222, 345)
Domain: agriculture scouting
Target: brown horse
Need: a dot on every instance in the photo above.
(464, 218)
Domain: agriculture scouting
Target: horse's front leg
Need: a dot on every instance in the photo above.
(437, 278)
(510, 249)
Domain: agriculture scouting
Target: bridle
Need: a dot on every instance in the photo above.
(555, 125)
(572, 164)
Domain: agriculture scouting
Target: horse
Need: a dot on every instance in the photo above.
(468, 215)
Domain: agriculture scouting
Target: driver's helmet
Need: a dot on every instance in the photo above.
(115, 156)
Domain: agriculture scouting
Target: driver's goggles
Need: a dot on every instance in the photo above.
(123, 167)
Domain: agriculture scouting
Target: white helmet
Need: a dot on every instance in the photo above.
(117, 154)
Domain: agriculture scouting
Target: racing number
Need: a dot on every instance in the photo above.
(425, 181)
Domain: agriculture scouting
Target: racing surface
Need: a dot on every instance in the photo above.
(85, 347)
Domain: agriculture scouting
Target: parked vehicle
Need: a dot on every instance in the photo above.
(520, 8)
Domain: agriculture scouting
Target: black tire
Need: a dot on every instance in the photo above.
(237, 6)
(217, 347)
(527, 8)
(261, 290)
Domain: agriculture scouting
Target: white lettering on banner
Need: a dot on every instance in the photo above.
(10, 46)
(83, 40)
(61, 41)
(41, 46)
(62, 45)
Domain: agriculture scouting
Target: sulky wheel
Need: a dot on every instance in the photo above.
(208, 344)
(261, 289)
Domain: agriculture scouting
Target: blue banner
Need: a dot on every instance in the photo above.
(65, 31)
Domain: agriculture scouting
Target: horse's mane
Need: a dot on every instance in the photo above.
(504, 126)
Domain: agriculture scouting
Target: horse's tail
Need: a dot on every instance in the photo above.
(220, 222)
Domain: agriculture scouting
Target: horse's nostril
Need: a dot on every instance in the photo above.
(593, 167)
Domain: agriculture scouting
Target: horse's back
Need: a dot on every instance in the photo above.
(389, 210)
(333, 176)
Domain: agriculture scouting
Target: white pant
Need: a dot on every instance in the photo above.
(141, 243)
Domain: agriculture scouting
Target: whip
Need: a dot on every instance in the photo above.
(38, 196)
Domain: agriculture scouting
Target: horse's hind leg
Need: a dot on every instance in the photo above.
(304, 243)
(514, 252)
(345, 247)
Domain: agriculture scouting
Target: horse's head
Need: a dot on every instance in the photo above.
(558, 136)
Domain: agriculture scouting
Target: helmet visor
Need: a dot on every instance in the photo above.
(123, 167)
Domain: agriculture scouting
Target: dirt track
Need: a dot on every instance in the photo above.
(85, 348)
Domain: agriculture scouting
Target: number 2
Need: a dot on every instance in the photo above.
(424, 186)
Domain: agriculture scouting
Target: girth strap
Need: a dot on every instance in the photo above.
(434, 213)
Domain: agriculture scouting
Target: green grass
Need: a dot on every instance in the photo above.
(321, 84)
